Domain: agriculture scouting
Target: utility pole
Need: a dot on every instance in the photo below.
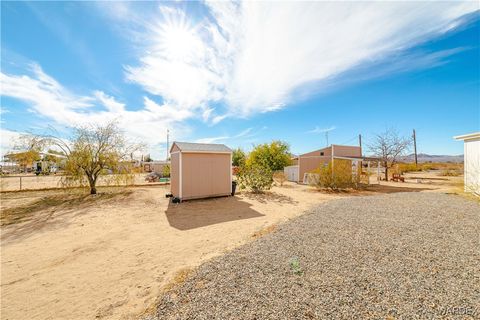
(415, 146)
(168, 151)
(360, 143)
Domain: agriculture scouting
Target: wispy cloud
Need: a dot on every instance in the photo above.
(244, 133)
(250, 66)
(212, 139)
(321, 130)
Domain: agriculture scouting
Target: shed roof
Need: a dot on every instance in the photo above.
(201, 147)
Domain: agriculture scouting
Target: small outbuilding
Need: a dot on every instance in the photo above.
(200, 170)
(471, 145)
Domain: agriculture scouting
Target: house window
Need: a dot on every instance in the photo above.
(321, 153)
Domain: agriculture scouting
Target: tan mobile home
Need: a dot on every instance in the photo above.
(200, 170)
(310, 161)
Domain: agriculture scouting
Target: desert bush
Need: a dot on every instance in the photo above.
(449, 173)
(279, 177)
(336, 175)
(254, 177)
(166, 170)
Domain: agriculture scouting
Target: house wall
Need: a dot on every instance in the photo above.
(175, 174)
(310, 163)
(326, 152)
(347, 151)
(472, 165)
(206, 175)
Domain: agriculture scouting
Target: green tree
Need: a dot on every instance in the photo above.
(254, 177)
(274, 156)
(238, 157)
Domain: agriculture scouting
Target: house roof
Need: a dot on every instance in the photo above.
(201, 147)
(470, 136)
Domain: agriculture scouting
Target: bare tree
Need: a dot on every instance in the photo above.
(94, 151)
(388, 146)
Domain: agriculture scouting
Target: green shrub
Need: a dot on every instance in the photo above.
(336, 175)
(254, 177)
(166, 170)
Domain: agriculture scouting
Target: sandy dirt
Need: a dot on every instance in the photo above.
(72, 256)
(87, 259)
(33, 182)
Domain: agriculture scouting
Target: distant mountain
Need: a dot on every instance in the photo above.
(423, 157)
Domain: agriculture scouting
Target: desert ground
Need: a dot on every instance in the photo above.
(111, 256)
(32, 182)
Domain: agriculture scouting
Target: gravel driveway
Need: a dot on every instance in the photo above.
(397, 256)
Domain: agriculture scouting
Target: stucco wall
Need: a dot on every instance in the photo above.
(309, 163)
(347, 151)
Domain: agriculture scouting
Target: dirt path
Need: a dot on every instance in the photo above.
(109, 258)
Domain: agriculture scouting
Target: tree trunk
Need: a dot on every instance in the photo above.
(386, 172)
(92, 183)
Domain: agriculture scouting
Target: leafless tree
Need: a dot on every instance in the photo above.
(388, 146)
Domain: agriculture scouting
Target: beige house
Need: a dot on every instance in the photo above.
(200, 170)
(310, 161)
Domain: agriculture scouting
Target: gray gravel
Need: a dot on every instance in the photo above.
(397, 256)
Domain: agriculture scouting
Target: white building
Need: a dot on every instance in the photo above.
(471, 161)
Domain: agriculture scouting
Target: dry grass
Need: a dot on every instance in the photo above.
(178, 279)
(264, 231)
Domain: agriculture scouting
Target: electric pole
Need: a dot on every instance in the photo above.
(415, 146)
(360, 143)
(168, 151)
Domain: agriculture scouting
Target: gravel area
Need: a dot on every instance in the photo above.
(396, 256)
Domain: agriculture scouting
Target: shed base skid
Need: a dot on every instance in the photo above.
(179, 200)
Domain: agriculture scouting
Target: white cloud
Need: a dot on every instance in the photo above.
(51, 100)
(257, 56)
(322, 130)
(8, 138)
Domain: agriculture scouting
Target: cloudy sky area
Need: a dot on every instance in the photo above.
(243, 73)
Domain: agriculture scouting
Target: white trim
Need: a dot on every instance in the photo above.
(474, 135)
(298, 179)
(180, 191)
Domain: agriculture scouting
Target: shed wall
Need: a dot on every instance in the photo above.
(206, 175)
(174, 174)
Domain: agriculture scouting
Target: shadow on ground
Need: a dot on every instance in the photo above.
(268, 196)
(50, 210)
(194, 214)
(392, 189)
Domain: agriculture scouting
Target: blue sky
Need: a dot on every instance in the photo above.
(243, 73)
